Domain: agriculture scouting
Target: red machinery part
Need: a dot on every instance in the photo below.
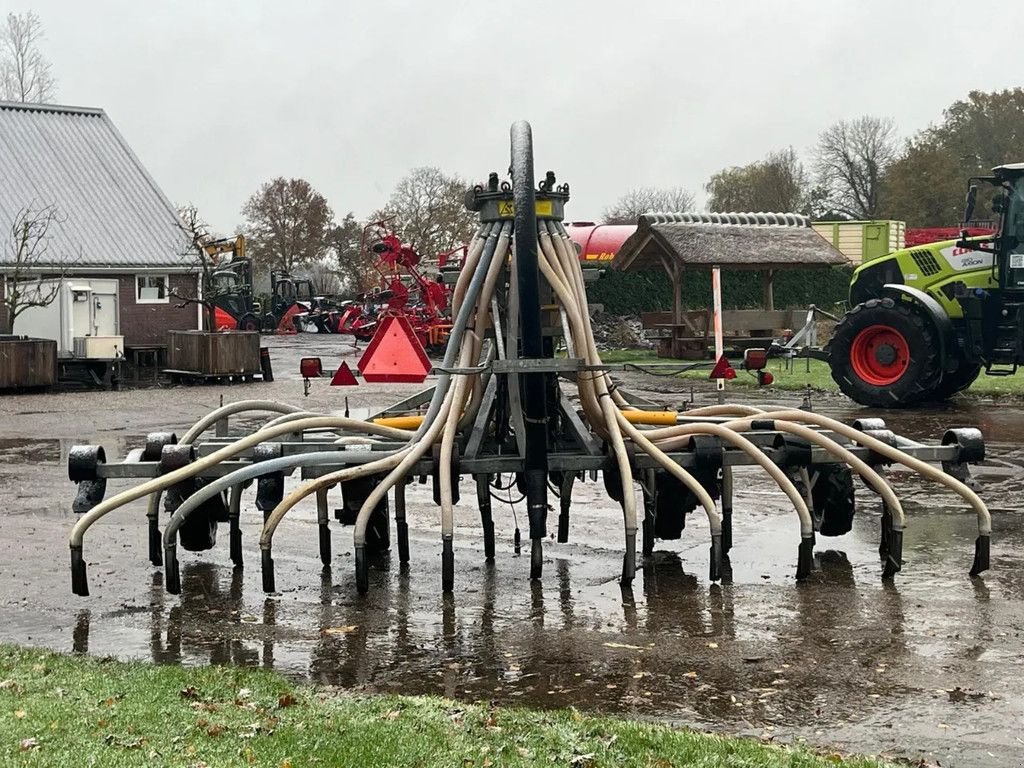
(310, 367)
(598, 242)
(925, 235)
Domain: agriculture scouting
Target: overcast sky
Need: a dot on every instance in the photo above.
(218, 96)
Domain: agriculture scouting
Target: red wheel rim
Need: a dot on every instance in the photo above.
(880, 355)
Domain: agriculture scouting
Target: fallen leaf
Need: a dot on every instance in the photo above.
(19, 714)
(27, 745)
(6, 685)
(243, 694)
(215, 730)
(286, 764)
(690, 675)
(623, 645)
(189, 693)
(394, 714)
(712, 645)
(346, 630)
(286, 700)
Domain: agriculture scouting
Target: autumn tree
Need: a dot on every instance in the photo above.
(851, 160)
(354, 265)
(427, 209)
(628, 208)
(926, 185)
(778, 183)
(26, 262)
(25, 74)
(288, 223)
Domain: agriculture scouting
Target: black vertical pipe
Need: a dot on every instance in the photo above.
(531, 339)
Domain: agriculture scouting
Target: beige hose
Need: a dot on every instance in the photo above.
(897, 456)
(177, 476)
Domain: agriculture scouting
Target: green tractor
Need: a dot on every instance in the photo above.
(926, 321)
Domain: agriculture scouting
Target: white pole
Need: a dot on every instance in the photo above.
(716, 294)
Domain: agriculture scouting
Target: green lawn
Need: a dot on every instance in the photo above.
(819, 377)
(71, 711)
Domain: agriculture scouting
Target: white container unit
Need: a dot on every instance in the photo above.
(83, 318)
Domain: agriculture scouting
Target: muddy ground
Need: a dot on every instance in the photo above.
(929, 667)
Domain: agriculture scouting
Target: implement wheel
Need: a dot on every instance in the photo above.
(883, 354)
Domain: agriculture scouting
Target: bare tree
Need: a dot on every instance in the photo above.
(288, 221)
(852, 158)
(197, 235)
(26, 266)
(24, 72)
(427, 208)
(323, 275)
(628, 208)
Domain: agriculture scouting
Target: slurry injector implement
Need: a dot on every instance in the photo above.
(504, 404)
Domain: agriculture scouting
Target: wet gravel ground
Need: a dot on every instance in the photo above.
(928, 667)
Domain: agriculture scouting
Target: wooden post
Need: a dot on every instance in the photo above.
(768, 287)
(677, 308)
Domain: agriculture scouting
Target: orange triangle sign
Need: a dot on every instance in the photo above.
(344, 377)
(722, 369)
(394, 354)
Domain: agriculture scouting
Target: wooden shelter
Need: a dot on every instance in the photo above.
(766, 242)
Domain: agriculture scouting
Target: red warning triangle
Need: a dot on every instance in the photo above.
(394, 354)
(344, 377)
(722, 369)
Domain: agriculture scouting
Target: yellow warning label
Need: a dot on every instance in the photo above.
(507, 209)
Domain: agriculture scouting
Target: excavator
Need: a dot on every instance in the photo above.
(926, 321)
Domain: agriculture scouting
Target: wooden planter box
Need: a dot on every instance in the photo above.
(234, 353)
(28, 362)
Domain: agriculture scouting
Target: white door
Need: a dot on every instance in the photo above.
(105, 308)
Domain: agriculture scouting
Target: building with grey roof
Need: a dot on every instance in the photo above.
(111, 219)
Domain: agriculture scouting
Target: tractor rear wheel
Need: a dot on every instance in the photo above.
(883, 354)
(957, 381)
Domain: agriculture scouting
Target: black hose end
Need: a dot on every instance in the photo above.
(715, 570)
(536, 558)
(235, 545)
(563, 526)
(726, 531)
(156, 543)
(982, 545)
(402, 530)
(79, 579)
(362, 570)
(447, 566)
(171, 572)
(325, 545)
(805, 558)
(517, 541)
(268, 572)
(894, 559)
(629, 561)
(885, 531)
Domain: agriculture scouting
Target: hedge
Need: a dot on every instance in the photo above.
(629, 293)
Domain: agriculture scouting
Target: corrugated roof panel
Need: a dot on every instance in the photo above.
(112, 214)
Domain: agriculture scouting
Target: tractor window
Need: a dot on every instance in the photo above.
(1015, 215)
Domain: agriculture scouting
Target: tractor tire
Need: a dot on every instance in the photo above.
(833, 504)
(883, 354)
(248, 322)
(957, 381)
(270, 322)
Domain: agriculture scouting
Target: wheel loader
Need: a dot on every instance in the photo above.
(927, 321)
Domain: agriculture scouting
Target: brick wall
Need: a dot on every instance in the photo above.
(148, 324)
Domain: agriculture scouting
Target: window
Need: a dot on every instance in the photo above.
(151, 289)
